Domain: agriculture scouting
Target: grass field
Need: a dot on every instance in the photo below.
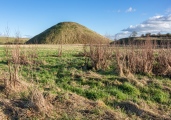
(5, 40)
(69, 91)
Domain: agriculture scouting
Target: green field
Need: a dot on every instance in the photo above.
(11, 40)
(72, 91)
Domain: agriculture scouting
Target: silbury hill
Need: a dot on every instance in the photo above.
(68, 33)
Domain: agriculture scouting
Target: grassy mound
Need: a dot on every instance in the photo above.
(68, 33)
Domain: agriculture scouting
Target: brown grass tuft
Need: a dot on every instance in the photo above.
(99, 55)
(39, 103)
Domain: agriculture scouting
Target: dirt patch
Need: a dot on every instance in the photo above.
(76, 106)
(93, 75)
(2, 115)
(20, 109)
(14, 109)
(131, 107)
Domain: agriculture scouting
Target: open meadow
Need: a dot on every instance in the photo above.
(11, 40)
(85, 82)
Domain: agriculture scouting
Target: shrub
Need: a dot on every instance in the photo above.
(132, 60)
(99, 55)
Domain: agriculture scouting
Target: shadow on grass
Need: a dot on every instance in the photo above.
(3, 62)
(14, 109)
(2, 88)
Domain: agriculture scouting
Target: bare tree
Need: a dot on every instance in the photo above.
(133, 34)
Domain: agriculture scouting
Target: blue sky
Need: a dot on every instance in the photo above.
(107, 17)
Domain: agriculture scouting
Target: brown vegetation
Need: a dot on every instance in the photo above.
(100, 56)
(144, 58)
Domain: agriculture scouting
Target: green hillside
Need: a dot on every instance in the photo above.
(68, 33)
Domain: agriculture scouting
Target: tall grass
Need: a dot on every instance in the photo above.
(100, 56)
(13, 61)
(145, 58)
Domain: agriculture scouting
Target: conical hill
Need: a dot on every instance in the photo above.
(68, 33)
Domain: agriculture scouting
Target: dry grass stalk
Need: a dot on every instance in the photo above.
(60, 47)
(12, 56)
(131, 60)
(100, 56)
(124, 62)
(60, 50)
(146, 59)
(38, 102)
(162, 63)
(16, 57)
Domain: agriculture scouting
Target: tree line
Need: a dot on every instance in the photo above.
(156, 35)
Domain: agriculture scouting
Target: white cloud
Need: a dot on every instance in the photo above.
(26, 36)
(122, 35)
(153, 25)
(130, 10)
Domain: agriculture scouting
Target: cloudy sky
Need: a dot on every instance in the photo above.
(153, 25)
(114, 18)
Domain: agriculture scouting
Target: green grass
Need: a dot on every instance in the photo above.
(159, 96)
(66, 73)
(60, 69)
(129, 89)
(118, 94)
